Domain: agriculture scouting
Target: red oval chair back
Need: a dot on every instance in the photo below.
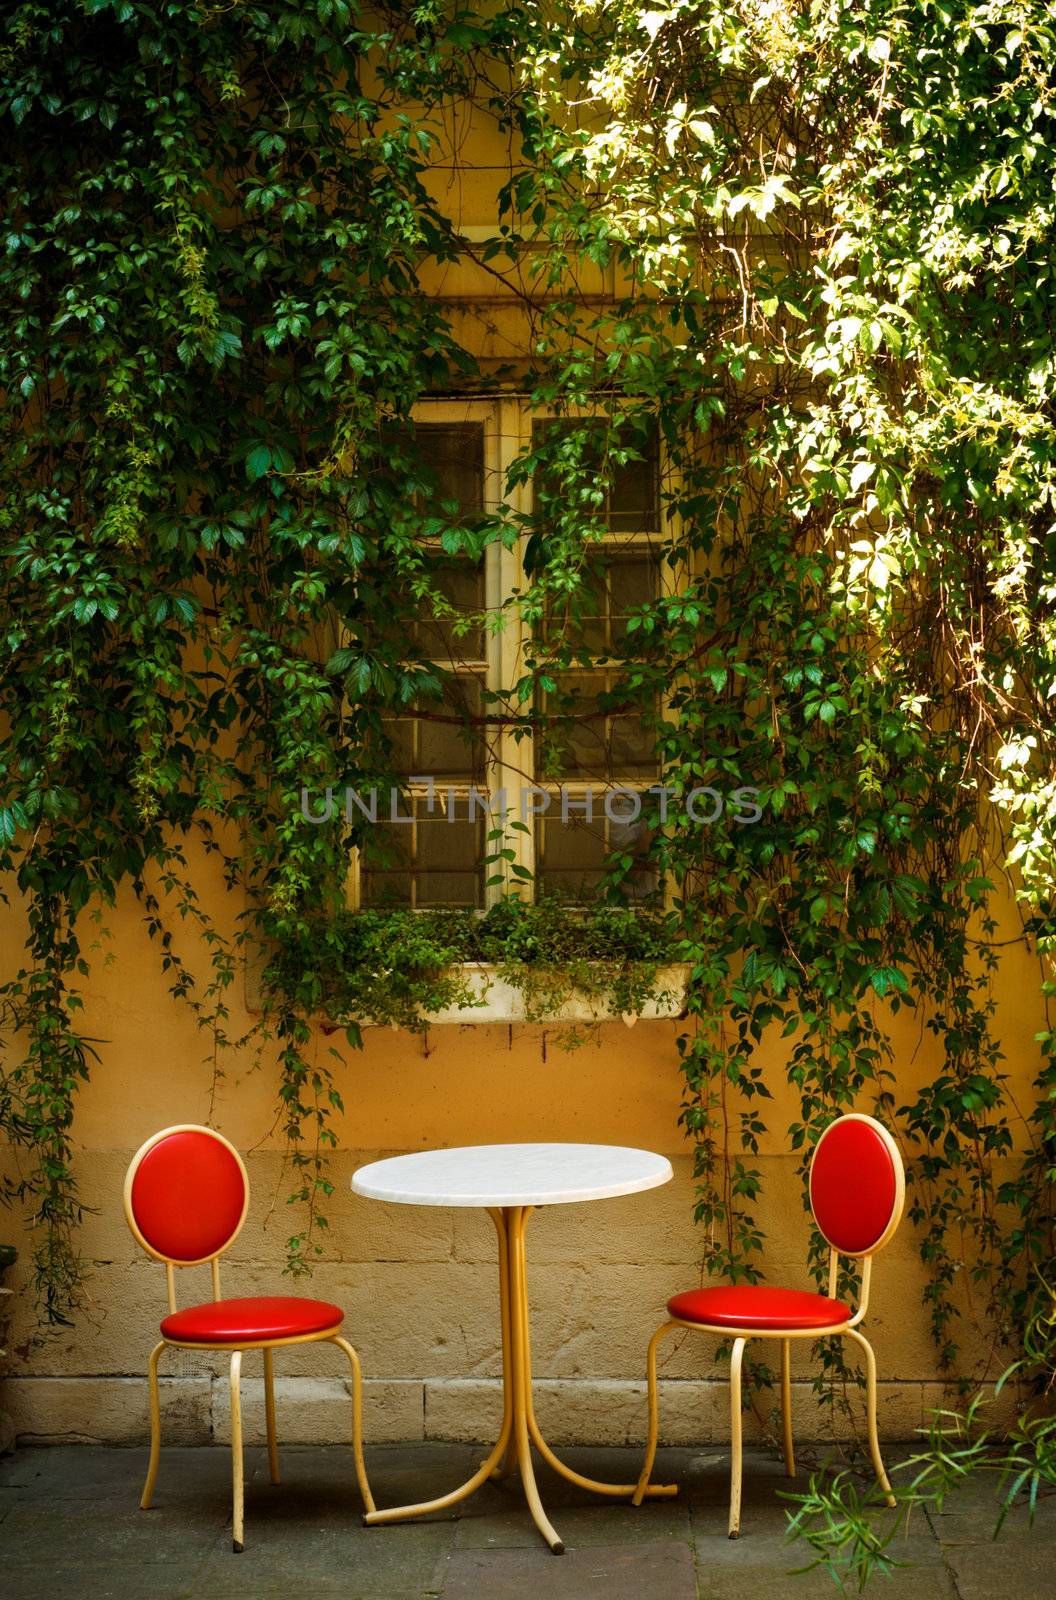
(186, 1195)
(857, 1185)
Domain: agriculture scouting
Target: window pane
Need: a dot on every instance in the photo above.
(633, 582)
(584, 626)
(453, 749)
(428, 862)
(383, 889)
(446, 638)
(578, 748)
(571, 856)
(453, 453)
(437, 741)
(449, 862)
(633, 838)
(385, 877)
(634, 500)
(605, 746)
(630, 750)
(631, 500)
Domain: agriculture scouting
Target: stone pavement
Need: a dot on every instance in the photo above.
(70, 1529)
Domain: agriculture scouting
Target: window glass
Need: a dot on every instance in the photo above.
(436, 740)
(430, 861)
(454, 631)
(629, 500)
(617, 580)
(586, 736)
(571, 854)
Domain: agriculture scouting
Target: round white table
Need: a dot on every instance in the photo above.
(509, 1181)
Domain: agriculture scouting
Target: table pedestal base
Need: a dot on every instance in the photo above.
(519, 1431)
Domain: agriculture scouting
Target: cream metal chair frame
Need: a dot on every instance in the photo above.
(847, 1329)
(237, 1352)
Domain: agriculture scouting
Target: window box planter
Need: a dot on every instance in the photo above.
(516, 963)
(498, 1000)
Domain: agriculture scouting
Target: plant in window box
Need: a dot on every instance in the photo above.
(514, 962)
(607, 961)
(373, 967)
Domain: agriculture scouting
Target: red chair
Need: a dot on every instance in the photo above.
(186, 1198)
(857, 1191)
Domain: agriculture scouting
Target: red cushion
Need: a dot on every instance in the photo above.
(853, 1185)
(753, 1305)
(188, 1195)
(259, 1317)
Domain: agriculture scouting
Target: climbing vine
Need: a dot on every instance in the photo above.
(823, 238)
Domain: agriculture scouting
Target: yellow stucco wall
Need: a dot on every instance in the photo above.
(420, 1285)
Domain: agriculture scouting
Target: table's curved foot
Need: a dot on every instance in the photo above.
(657, 1491)
(539, 1516)
(422, 1508)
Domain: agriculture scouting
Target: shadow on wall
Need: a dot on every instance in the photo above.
(8, 1257)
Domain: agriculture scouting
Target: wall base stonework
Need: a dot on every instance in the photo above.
(196, 1410)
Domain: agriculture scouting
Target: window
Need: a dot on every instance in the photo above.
(585, 743)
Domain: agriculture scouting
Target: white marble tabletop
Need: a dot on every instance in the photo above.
(512, 1175)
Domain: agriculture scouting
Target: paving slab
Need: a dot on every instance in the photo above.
(316, 1557)
(580, 1527)
(608, 1572)
(973, 1519)
(86, 1472)
(74, 1583)
(982, 1572)
(105, 1534)
(755, 1582)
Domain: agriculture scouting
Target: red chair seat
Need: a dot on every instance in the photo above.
(753, 1305)
(245, 1321)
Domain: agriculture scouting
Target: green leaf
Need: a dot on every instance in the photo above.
(258, 461)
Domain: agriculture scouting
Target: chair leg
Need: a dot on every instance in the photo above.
(269, 1414)
(870, 1413)
(357, 1422)
(237, 1482)
(735, 1437)
(155, 1428)
(786, 1406)
(654, 1413)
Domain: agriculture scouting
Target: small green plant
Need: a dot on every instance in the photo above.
(853, 1534)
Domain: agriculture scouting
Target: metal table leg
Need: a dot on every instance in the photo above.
(520, 1429)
